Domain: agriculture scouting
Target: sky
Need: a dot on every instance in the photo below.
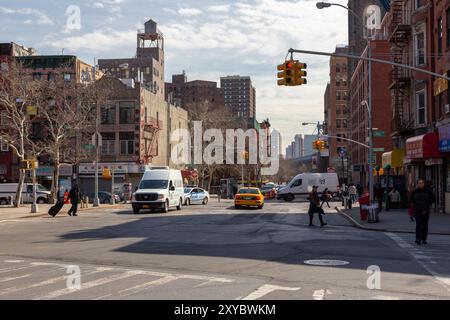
(205, 38)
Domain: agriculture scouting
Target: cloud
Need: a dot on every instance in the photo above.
(40, 17)
(189, 12)
(219, 8)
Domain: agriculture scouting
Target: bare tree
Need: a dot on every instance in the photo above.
(19, 96)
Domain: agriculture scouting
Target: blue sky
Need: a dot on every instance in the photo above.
(208, 39)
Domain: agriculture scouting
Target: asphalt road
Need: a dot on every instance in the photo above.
(215, 252)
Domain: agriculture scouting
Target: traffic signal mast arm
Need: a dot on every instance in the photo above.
(349, 140)
(374, 60)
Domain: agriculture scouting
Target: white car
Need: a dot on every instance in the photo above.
(160, 188)
(196, 196)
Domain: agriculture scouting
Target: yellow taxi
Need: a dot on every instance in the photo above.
(249, 197)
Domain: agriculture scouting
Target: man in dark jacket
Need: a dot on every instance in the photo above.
(74, 196)
(421, 200)
(314, 207)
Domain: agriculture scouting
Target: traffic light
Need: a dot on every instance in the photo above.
(320, 145)
(287, 75)
(300, 73)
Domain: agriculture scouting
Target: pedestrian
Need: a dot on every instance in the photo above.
(74, 196)
(352, 192)
(66, 197)
(314, 207)
(421, 201)
(395, 198)
(360, 190)
(219, 193)
(326, 197)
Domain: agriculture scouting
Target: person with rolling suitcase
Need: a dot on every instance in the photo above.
(74, 196)
(53, 211)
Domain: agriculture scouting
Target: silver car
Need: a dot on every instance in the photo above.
(195, 196)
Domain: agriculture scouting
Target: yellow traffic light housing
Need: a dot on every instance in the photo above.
(300, 73)
(287, 75)
(106, 173)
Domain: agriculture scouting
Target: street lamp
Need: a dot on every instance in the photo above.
(368, 103)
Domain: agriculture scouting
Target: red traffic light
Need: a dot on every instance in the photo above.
(290, 64)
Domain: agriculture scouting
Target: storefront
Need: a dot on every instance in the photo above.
(424, 161)
(444, 148)
(44, 176)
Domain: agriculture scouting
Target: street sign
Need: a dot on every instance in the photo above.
(89, 146)
(378, 150)
(379, 134)
(374, 160)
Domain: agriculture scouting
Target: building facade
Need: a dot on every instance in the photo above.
(148, 65)
(240, 96)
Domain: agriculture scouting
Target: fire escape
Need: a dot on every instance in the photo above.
(400, 32)
(152, 128)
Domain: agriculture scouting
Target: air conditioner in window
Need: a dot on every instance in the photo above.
(447, 109)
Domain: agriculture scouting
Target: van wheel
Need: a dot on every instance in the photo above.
(166, 207)
(41, 201)
(289, 198)
(179, 204)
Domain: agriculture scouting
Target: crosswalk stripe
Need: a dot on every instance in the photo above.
(88, 285)
(147, 285)
(265, 290)
(14, 278)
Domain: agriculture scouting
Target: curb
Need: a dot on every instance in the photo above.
(40, 215)
(360, 226)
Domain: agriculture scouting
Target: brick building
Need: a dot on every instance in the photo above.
(148, 65)
(381, 107)
(240, 96)
(8, 161)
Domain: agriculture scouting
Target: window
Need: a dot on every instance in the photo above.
(448, 27)
(338, 68)
(126, 110)
(338, 123)
(420, 46)
(3, 146)
(345, 123)
(108, 114)
(108, 143)
(51, 77)
(440, 34)
(67, 77)
(421, 108)
(3, 119)
(37, 76)
(126, 143)
(420, 3)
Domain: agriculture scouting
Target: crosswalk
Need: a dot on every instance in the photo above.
(36, 280)
(433, 257)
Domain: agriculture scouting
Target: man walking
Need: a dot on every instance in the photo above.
(421, 201)
(74, 196)
(314, 207)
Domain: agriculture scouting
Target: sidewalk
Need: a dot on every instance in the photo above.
(397, 221)
(24, 211)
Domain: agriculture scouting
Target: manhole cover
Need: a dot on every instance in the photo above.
(324, 262)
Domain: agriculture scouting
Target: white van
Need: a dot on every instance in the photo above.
(8, 193)
(160, 188)
(302, 185)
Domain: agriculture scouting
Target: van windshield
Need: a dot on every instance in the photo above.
(153, 184)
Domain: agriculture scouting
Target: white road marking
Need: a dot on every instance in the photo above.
(12, 220)
(319, 294)
(88, 285)
(147, 285)
(441, 279)
(14, 261)
(266, 289)
(386, 298)
(14, 278)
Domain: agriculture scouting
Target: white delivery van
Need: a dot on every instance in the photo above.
(160, 188)
(8, 193)
(302, 185)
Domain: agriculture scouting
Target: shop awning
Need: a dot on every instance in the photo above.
(394, 159)
(186, 174)
(423, 147)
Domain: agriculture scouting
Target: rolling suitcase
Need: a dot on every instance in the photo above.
(53, 211)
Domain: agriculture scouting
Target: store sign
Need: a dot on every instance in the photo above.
(444, 138)
(119, 168)
(440, 85)
(433, 162)
(64, 170)
(414, 149)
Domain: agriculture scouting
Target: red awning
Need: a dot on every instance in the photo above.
(189, 174)
(423, 147)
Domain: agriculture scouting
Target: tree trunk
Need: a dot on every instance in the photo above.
(55, 183)
(18, 198)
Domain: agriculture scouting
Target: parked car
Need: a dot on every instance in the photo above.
(195, 196)
(8, 193)
(104, 197)
(249, 197)
(160, 188)
(269, 191)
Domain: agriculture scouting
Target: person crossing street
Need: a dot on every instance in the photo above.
(421, 201)
(314, 207)
(74, 196)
